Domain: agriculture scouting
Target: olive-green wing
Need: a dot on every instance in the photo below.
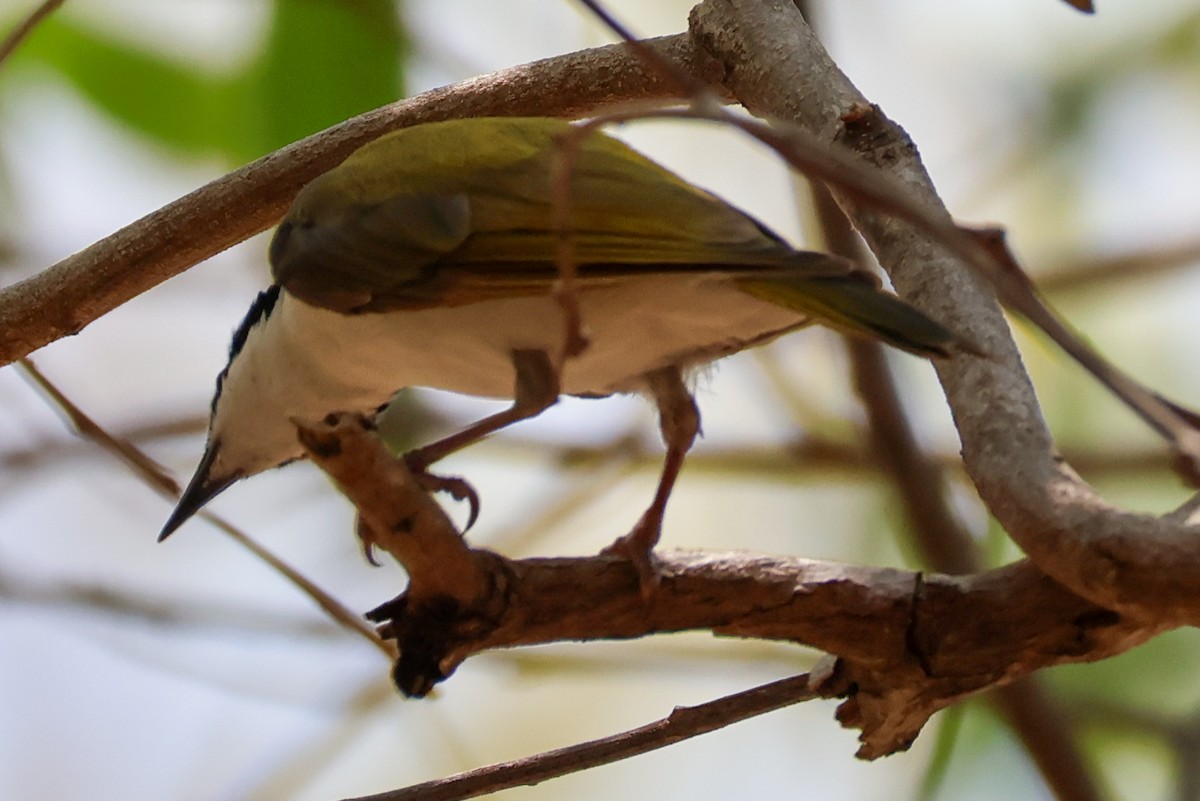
(450, 212)
(624, 206)
(352, 260)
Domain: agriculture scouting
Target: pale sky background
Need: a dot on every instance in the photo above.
(249, 699)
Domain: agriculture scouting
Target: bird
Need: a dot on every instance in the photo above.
(428, 259)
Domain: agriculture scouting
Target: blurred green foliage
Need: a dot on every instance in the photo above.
(1073, 95)
(321, 62)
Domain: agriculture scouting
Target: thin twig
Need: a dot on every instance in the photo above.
(688, 86)
(156, 476)
(683, 723)
(1102, 272)
(145, 468)
(566, 290)
(120, 602)
(22, 31)
(1175, 423)
(336, 610)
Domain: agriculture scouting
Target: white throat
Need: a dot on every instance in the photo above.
(284, 372)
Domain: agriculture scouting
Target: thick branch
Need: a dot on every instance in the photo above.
(64, 298)
(1136, 563)
(909, 643)
(943, 542)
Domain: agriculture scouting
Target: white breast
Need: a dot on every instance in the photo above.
(633, 327)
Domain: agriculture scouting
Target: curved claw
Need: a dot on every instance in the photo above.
(457, 488)
(366, 539)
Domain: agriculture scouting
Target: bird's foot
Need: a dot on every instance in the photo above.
(638, 548)
(454, 486)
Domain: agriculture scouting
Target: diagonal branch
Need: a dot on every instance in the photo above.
(682, 724)
(63, 299)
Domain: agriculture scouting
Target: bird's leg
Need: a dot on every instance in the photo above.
(679, 420)
(536, 390)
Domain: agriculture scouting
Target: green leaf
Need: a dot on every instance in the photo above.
(155, 96)
(322, 62)
(325, 61)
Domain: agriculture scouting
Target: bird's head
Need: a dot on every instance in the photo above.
(249, 431)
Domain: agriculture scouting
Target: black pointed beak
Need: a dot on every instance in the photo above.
(200, 490)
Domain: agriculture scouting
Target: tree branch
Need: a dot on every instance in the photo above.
(943, 542)
(910, 643)
(682, 724)
(1134, 563)
(63, 299)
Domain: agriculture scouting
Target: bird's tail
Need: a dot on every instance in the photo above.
(853, 303)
